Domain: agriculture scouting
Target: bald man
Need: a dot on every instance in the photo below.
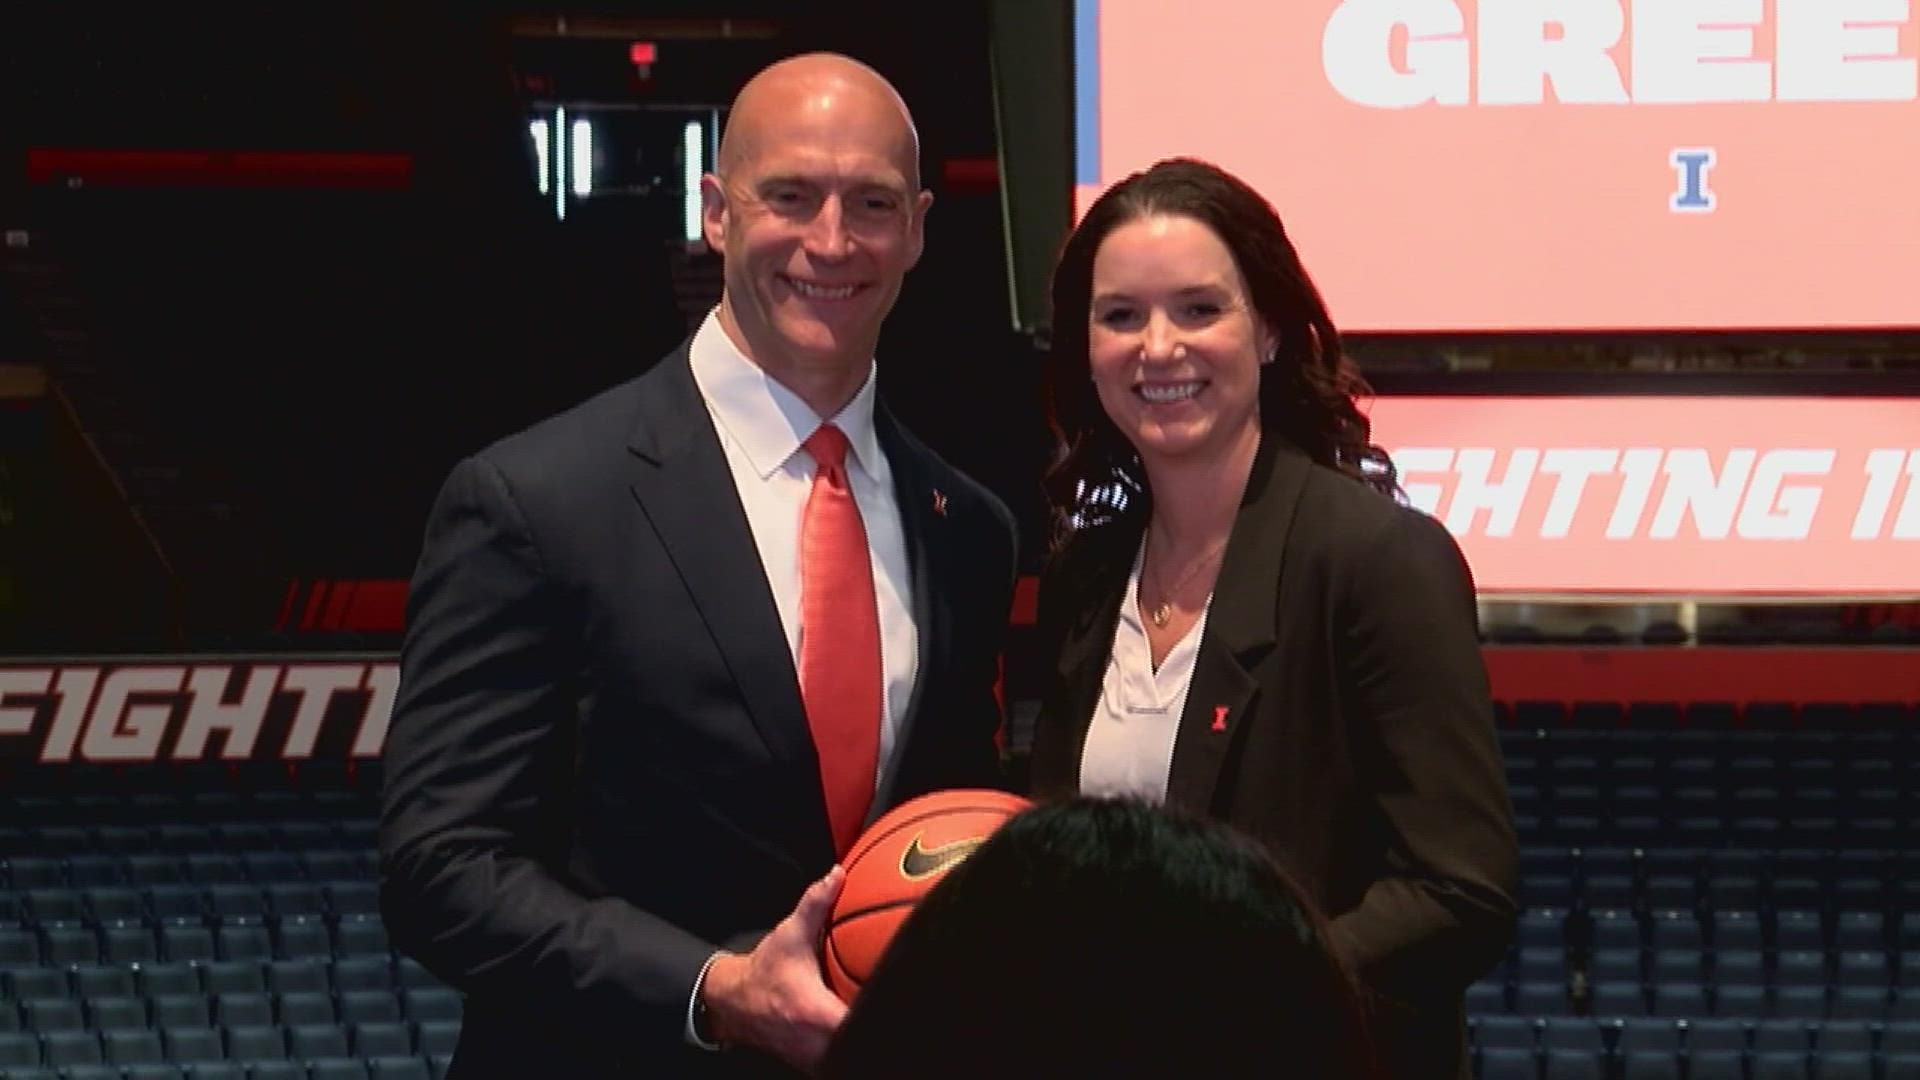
(670, 651)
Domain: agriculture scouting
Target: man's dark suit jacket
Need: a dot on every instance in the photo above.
(1357, 741)
(598, 767)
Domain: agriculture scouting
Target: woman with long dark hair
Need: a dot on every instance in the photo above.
(1249, 622)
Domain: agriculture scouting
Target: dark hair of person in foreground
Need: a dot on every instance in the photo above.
(1104, 938)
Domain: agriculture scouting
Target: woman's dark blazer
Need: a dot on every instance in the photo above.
(1339, 712)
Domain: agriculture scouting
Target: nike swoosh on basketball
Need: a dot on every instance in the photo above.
(918, 862)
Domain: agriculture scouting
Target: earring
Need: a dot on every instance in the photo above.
(1273, 354)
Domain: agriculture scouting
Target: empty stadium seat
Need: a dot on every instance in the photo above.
(1737, 898)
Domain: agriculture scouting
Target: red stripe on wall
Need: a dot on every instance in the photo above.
(970, 174)
(286, 604)
(1704, 673)
(337, 603)
(379, 607)
(316, 598)
(220, 168)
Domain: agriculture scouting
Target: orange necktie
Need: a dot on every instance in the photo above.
(839, 640)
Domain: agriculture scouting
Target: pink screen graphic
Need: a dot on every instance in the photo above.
(1653, 496)
(1492, 165)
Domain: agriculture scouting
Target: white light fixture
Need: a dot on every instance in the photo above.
(559, 167)
(538, 129)
(693, 146)
(583, 157)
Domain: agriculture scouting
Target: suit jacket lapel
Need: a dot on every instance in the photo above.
(914, 493)
(1097, 578)
(1241, 629)
(684, 487)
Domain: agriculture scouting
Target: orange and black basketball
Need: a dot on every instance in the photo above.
(901, 856)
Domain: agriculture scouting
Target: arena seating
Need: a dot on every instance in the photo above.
(170, 927)
(1709, 892)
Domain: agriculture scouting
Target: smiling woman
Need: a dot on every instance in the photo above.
(1175, 346)
(1337, 711)
(1226, 284)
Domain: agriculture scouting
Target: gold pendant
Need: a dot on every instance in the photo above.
(1161, 615)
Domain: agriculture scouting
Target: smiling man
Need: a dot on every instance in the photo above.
(818, 210)
(669, 652)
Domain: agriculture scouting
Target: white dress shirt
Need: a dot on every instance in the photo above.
(1129, 747)
(762, 425)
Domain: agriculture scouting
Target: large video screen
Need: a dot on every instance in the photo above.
(1465, 166)
(1690, 496)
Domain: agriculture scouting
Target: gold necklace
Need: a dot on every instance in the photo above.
(1162, 613)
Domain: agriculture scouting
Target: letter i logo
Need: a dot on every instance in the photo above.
(1690, 165)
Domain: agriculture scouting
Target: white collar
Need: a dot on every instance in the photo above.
(766, 419)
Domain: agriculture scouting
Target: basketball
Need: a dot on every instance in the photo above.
(901, 856)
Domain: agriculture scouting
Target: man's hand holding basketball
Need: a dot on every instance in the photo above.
(773, 998)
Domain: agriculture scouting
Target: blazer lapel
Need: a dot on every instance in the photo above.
(914, 493)
(1098, 576)
(1240, 630)
(684, 487)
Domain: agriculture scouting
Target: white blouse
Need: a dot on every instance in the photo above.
(1129, 746)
